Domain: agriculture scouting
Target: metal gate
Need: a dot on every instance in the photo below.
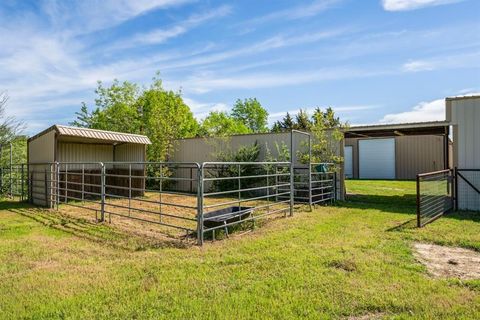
(435, 195)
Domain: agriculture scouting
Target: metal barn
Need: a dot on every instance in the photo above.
(88, 148)
(397, 151)
(464, 115)
(207, 149)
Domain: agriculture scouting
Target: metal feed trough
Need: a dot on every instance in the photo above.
(224, 217)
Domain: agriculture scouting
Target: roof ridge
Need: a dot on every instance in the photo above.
(101, 130)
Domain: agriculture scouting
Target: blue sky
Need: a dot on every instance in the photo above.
(373, 61)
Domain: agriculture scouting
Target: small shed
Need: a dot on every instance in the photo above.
(81, 150)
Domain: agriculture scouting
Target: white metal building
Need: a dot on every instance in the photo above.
(463, 113)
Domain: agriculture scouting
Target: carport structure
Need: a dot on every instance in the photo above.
(397, 151)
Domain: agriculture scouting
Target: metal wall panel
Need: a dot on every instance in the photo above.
(465, 117)
(419, 154)
(83, 152)
(376, 158)
(348, 160)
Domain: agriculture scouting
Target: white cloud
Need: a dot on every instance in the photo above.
(162, 35)
(91, 15)
(406, 5)
(464, 60)
(424, 111)
(299, 12)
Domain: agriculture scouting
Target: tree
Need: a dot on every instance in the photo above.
(251, 113)
(220, 123)
(327, 132)
(287, 123)
(302, 121)
(160, 114)
(9, 126)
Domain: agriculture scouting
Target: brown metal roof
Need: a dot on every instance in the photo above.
(414, 128)
(94, 134)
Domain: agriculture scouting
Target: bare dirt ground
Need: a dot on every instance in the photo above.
(448, 262)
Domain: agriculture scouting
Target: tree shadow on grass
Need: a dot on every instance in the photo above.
(97, 232)
(390, 204)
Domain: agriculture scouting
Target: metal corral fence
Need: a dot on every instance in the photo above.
(435, 195)
(197, 200)
(13, 181)
(315, 184)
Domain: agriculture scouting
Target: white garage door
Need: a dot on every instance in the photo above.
(348, 161)
(376, 158)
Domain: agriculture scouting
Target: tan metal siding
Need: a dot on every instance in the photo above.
(206, 149)
(353, 142)
(418, 154)
(41, 150)
(82, 152)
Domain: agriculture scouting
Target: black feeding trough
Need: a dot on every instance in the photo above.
(225, 216)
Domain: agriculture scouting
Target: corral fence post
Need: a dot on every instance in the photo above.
(102, 193)
(200, 186)
(57, 184)
(419, 224)
(292, 175)
(455, 177)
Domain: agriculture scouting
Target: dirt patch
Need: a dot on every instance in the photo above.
(448, 262)
(369, 316)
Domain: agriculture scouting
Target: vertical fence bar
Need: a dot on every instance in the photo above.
(57, 183)
(292, 178)
(200, 186)
(456, 188)
(310, 194)
(129, 189)
(83, 182)
(419, 224)
(46, 189)
(66, 183)
(22, 182)
(11, 167)
(160, 195)
(102, 193)
(239, 186)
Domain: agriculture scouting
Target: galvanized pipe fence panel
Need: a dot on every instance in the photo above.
(435, 195)
(196, 200)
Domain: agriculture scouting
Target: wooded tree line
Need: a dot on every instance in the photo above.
(163, 116)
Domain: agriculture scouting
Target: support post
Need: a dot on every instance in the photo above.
(419, 224)
(22, 182)
(57, 184)
(200, 185)
(11, 168)
(292, 178)
(310, 194)
(102, 194)
(456, 188)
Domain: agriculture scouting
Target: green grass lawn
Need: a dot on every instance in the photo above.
(352, 259)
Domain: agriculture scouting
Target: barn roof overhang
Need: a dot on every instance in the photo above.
(84, 135)
(402, 129)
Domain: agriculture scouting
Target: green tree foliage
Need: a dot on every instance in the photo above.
(9, 126)
(221, 124)
(251, 113)
(158, 113)
(327, 132)
(302, 121)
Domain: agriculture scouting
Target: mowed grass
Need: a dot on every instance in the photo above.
(349, 260)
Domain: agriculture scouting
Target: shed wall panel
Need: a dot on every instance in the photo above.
(41, 150)
(465, 117)
(418, 154)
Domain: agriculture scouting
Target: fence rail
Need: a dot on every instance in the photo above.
(435, 195)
